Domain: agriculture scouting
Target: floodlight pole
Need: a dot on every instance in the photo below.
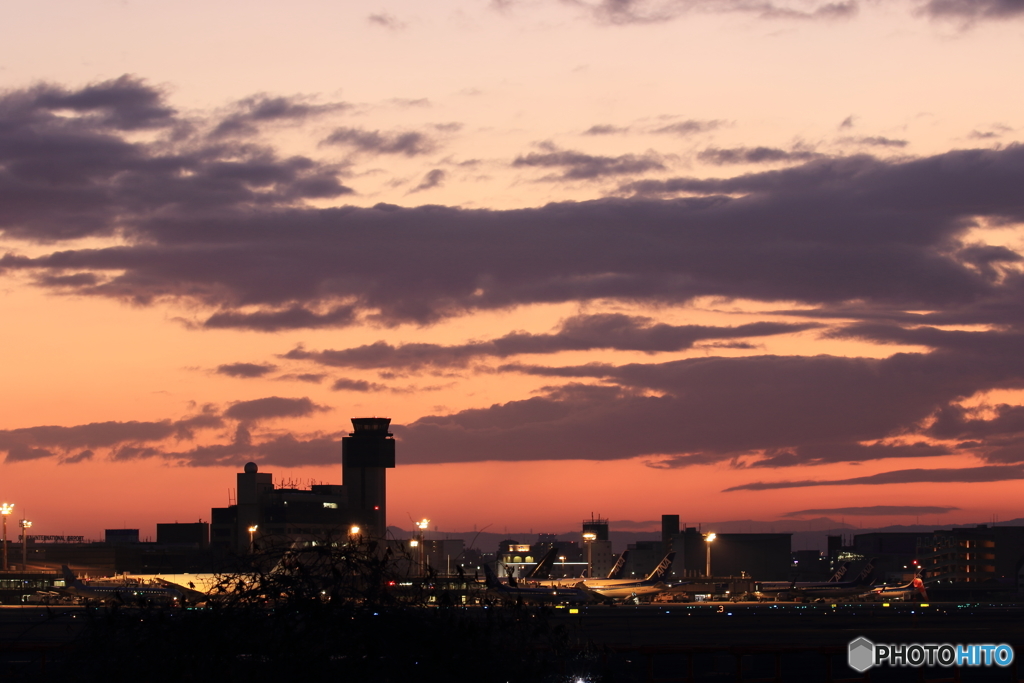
(25, 526)
(5, 510)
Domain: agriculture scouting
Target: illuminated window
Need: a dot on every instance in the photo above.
(331, 505)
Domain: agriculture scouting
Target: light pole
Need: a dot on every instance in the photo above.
(353, 533)
(252, 533)
(5, 510)
(562, 560)
(415, 543)
(589, 537)
(423, 525)
(708, 539)
(25, 526)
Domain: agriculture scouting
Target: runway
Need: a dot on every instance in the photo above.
(673, 641)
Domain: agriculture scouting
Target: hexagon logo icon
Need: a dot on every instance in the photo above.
(861, 655)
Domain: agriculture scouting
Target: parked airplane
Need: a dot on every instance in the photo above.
(614, 574)
(529, 594)
(620, 589)
(659, 573)
(784, 590)
(905, 592)
(124, 593)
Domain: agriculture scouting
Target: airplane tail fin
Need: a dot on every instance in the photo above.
(918, 585)
(489, 578)
(838, 576)
(69, 576)
(663, 569)
(620, 564)
(867, 575)
(543, 568)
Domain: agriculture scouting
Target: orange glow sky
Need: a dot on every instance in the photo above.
(593, 256)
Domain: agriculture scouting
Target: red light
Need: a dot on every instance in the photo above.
(376, 507)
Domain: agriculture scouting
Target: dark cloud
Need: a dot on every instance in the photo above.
(825, 453)
(386, 20)
(578, 333)
(252, 112)
(70, 168)
(81, 456)
(876, 510)
(658, 11)
(876, 141)
(343, 384)
(754, 155)
(125, 103)
(995, 131)
(950, 475)
(223, 227)
(580, 166)
(312, 378)
(605, 129)
(995, 433)
(847, 122)
(32, 443)
(282, 319)
(770, 411)
(409, 143)
(286, 450)
(973, 9)
(132, 441)
(245, 369)
(688, 127)
(272, 407)
(433, 179)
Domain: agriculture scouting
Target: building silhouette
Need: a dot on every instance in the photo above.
(267, 514)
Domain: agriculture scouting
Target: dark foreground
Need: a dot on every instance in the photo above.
(679, 642)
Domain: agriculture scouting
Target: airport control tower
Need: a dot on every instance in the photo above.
(366, 454)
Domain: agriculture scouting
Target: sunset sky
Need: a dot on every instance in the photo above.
(726, 259)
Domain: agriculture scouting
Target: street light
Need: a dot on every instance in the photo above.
(561, 558)
(6, 509)
(708, 539)
(252, 532)
(25, 526)
(423, 525)
(589, 537)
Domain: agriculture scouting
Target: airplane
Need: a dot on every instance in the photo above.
(659, 572)
(120, 593)
(783, 590)
(624, 589)
(614, 574)
(530, 594)
(905, 592)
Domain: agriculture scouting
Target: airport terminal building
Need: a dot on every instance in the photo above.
(266, 514)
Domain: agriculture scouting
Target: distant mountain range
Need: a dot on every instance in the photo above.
(808, 534)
